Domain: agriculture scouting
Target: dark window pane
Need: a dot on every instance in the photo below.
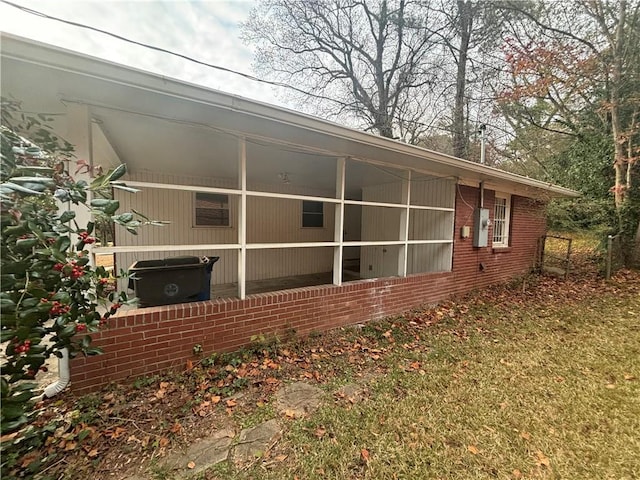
(312, 214)
(212, 210)
(312, 207)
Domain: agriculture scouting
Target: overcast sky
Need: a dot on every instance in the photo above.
(205, 30)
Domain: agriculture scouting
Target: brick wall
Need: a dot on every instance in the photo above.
(151, 340)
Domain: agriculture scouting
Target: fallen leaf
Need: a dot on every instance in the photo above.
(191, 465)
(215, 399)
(611, 385)
(164, 441)
(387, 334)
(629, 377)
(290, 413)
(320, 432)
(525, 435)
(542, 459)
(189, 365)
(231, 403)
(280, 458)
(92, 453)
(176, 428)
(364, 454)
(272, 381)
(517, 473)
(70, 445)
(473, 449)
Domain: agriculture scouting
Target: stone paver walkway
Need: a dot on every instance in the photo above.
(298, 399)
(293, 401)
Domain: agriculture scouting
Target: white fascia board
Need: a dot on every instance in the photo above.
(345, 141)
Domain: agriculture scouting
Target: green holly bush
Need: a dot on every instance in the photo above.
(52, 296)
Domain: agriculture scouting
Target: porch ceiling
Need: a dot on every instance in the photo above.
(155, 123)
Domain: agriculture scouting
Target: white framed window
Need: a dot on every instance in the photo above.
(211, 210)
(501, 216)
(312, 214)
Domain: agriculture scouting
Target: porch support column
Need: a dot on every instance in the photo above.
(79, 135)
(403, 251)
(242, 217)
(338, 228)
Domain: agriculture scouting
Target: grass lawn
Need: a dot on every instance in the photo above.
(540, 384)
(536, 379)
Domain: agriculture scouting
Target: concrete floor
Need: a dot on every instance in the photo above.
(230, 290)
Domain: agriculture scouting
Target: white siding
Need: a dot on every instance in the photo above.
(268, 220)
(380, 224)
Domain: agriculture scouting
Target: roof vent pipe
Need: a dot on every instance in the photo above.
(482, 130)
(64, 376)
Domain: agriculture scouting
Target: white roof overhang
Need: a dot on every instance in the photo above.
(43, 76)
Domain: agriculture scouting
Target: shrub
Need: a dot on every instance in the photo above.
(49, 287)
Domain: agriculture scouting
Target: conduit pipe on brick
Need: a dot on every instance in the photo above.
(63, 376)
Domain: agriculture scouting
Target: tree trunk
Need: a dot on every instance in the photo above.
(465, 23)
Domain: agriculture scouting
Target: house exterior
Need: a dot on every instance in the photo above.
(274, 194)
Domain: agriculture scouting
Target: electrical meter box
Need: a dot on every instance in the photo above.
(481, 227)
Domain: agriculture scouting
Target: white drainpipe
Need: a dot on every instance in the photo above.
(63, 374)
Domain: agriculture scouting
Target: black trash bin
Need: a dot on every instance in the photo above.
(171, 280)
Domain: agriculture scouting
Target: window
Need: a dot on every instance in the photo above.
(501, 214)
(212, 210)
(312, 214)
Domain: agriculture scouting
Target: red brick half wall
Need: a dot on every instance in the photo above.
(156, 339)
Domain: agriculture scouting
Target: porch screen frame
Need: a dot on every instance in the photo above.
(339, 202)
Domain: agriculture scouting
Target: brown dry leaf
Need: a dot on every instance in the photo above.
(542, 459)
(473, 449)
(108, 397)
(70, 445)
(415, 365)
(189, 365)
(176, 428)
(611, 385)
(320, 432)
(164, 385)
(272, 381)
(116, 433)
(92, 453)
(164, 441)
(387, 334)
(525, 435)
(231, 403)
(517, 473)
(215, 399)
(629, 377)
(364, 454)
(280, 458)
(290, 413)
(27, 459)
(191, 465)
